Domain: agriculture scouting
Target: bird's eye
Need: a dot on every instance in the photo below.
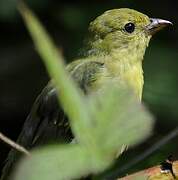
(129, 27)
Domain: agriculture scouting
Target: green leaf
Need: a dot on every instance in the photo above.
(118, 119)
(69, 94)
(55, 163)
(102, 122)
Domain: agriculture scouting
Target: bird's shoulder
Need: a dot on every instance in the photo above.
(86, 72)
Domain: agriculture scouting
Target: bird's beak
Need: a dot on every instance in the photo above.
(156, 25)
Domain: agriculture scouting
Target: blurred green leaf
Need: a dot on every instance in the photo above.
(102, 122)
(120, 118)
(50, 164)
(68, 92)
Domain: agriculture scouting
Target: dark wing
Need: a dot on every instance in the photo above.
(47, 122)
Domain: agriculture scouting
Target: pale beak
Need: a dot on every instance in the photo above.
(156, 25)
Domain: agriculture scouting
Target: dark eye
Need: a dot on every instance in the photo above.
(129, 27)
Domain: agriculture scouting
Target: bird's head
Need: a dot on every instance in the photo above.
(123, 29)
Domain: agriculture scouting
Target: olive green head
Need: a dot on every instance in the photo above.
(122, 29)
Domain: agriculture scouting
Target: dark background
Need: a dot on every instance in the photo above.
(22, 74)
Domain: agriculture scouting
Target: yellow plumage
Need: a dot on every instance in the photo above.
(121, 52)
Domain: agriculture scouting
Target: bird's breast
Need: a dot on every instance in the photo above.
(131, 75)
(134, 77)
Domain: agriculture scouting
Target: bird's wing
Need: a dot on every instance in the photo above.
(46, 122)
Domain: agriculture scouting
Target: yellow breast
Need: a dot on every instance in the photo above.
(131, 75)
(134, 77)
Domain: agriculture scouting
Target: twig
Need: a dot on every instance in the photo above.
(155, 173)
(14, 145)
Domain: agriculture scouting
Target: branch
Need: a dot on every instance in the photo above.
(155, 173)
(14, 145)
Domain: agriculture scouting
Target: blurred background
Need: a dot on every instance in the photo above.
(22, 74)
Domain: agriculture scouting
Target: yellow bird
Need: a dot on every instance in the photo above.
(114, 52)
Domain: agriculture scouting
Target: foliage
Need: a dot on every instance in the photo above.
(102, 123)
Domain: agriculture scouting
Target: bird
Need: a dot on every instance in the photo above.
(114, 51)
